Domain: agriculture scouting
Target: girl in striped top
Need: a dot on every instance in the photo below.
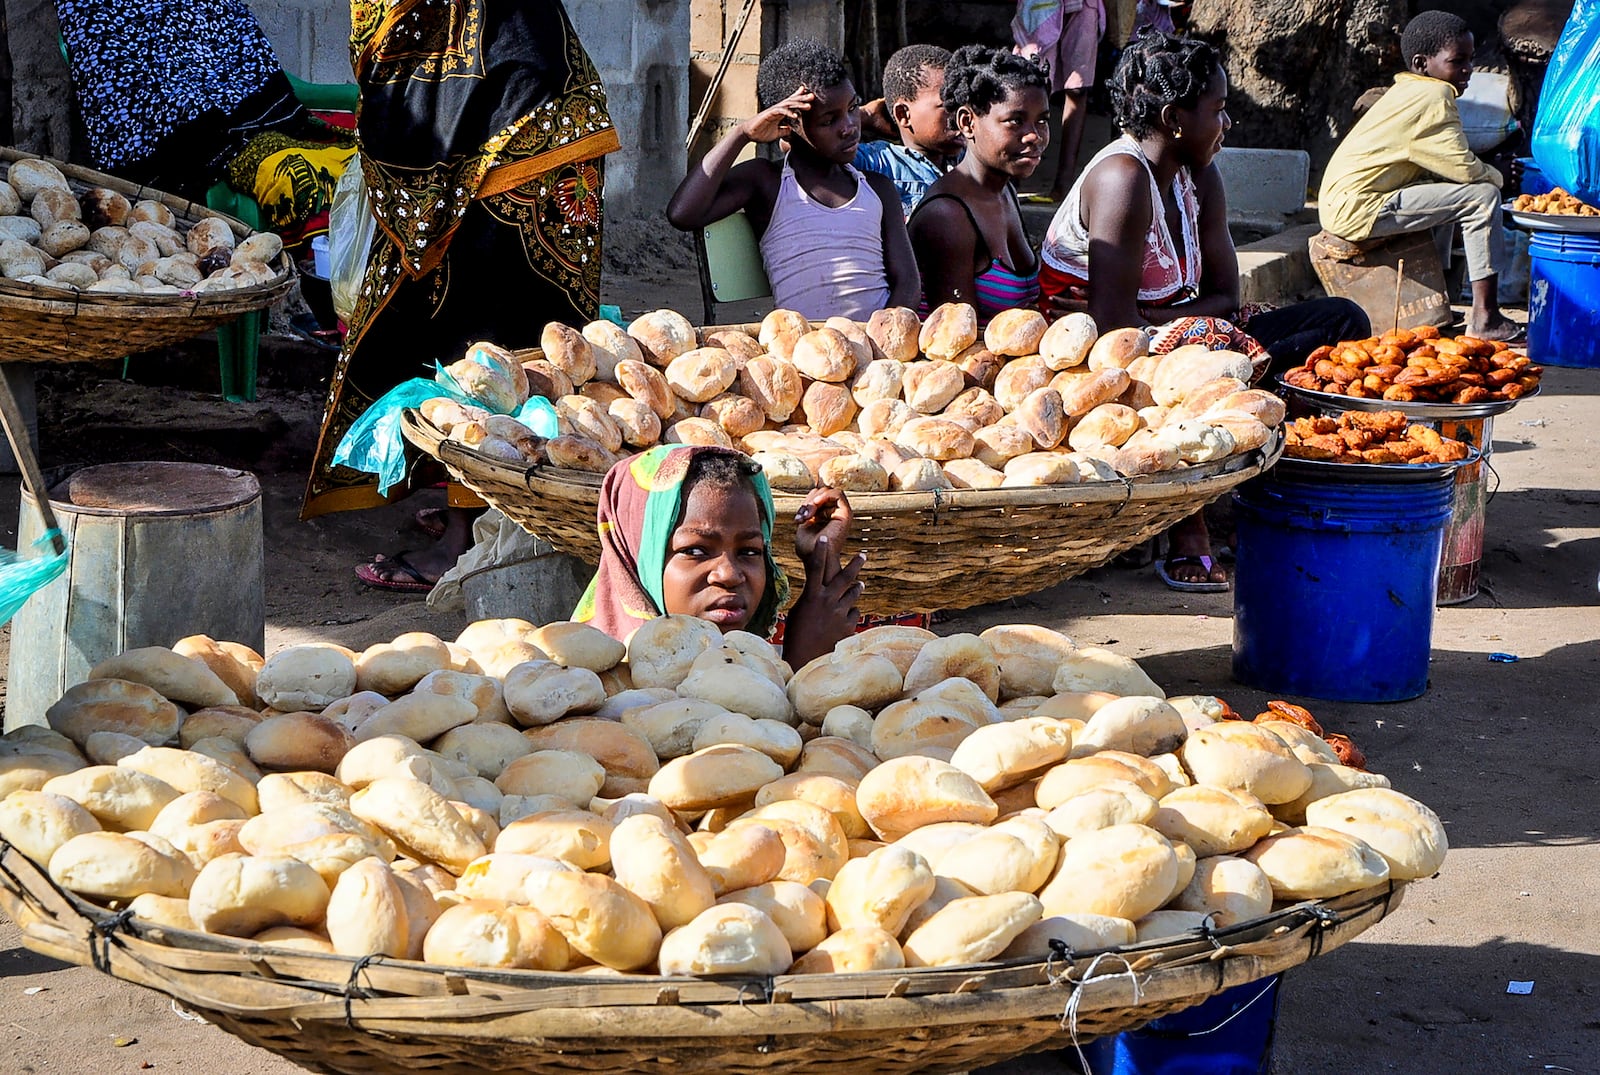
(967, 232)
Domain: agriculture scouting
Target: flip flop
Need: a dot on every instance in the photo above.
(1164, 570)
(1518, 334)
(417, 583)
(1038, 198)
(431, 521)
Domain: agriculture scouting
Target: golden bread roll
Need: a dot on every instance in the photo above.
(1015, 332)
(1206, 397)
(855, 474)
(701, 432)
(540, 692)
(1109, 769)
(114, 705)
(545, 380)
(896, 332)
(1136, 724)
(1118, 349)
(598, 917)
(578, 645)
(701, 374)
(879, 891)
(824, 355)
(963, 656)
(1095, 669)
(918, 476)
(774, 384)
(784, 472)
(861, 679)
(850, 951)
(974, 409)
(1408, 835)
(625, 756)
(1261, 405)
(835, 795)
(176, 677)
(1108, 424)
(1313, 863)
(918, 726)
(241, 895)
(900, 644)
(572, 776)
(727, 939)
(306, 678)
(1043, 417)
(996, 445)
(603, 393)
(974, 929)
(906, 793)
(737, 415)
(838, 757)
(1125, 871)
(488, 933)
(228, 722)
(971, 474)
(108, 748)
(741, 345)
(993, 862)
(580, 416)
(1019, 379)
(781, 321)
(1027, 657)
(611, 344)
(1067, 342)
(670, 726)
(503, 876)
(569, 350)
(1079, 932)
(640, 426)
(169, 911)
(877, 381)
(1212, 820)
(1326, 779)
(712, 777)
(849, 722)
(661, 651)
(662, 335)
(935, 439)
(37, 823)
(1087, 393)
(1040, 468)
(1000, 756)
(776, 739)
(980, 366)
(367, 912)
(651, 859)
(120, 799)
(950, 329)
(1197, 441)
(797, 910)
(647, 385)
(742, 857)
(278, 791)
(1229, 889)
(828, 407)
(117, 866)
(575, 836)
(420, 821)
(187, 772)
(298, 741)
(1234, 754)
(1190, 367)
(929, 387)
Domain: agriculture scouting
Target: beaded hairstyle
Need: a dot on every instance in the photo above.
(1157, 70)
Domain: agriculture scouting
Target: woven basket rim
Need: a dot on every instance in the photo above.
(60, 302)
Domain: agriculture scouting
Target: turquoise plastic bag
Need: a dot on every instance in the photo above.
(375, 445)
(1566, 134)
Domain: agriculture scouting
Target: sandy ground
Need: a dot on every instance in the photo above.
(1502, 751)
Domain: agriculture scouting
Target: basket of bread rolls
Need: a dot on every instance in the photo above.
(537, 849)
(93, 267)
(980, 466)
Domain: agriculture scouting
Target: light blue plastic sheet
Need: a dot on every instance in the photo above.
(1566, 135)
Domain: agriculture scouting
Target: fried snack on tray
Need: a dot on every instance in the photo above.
(1369, 437)
(1556, 203)
(1418, 366)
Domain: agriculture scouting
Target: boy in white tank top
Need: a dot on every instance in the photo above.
(829, 245)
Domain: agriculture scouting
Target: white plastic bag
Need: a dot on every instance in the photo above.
(350, 230)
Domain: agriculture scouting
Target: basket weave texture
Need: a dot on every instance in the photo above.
(337, 1014)
(925, 551)
(39, 324)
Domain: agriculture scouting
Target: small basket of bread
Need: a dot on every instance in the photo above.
(93, 267)
(979, 465)
(536, 850)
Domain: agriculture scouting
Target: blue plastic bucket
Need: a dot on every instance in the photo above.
(1333, 591)
(1534, 181)
(1230, 1034)
(1563, 318)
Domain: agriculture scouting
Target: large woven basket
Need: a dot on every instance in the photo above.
(925, 551)
(336, 1014)
(39, 324)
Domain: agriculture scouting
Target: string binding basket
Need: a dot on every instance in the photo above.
(925, 551)
(40, 324)
(338, 1014)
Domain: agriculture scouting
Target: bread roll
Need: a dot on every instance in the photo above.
(115, 866)
(610, 345)
(1261, 405)
(37, 823)
(1233, 754)
(974, 929)
(850, 951)
(971, 474)
(1201, 399)
(930, 386)
(574, 836)
(1212, 820)
(778, 322)
(936, 439)
(539, 692)
(878, 381)
(569, 350)
(1095, 669)
(662, 335)
(598, 917)
(906, 793)
(120, 799)
(1068, 341)
(1018, 380)
(896, 331)
(186, 771)
(949, 330)
(1040, 468)
(861, 679)
(1188, 368)
(918, 476)
(712, 777)
(114, 705)
(420, 820)
(730, 938)
(661, 651)
(488, 933)
(879, 891)
(996, 445)
(825, 355)
(775, 386)
(108, 748)
(1015, 332)
(1118, 348)
(1326, 780)
(235, 664)
(1314, 863)
(1125, 871)
(306, 678)
(741, 345)
(367, 912)
(1408, 835)
(1231, 890)
(298, 741)
(572, 776)
(241, 895)
(701, 374)
(828, 407)
(1108, 424)
(54, 204)
(1004, 755)
(1080, 775)
(651, 859)
(974, 409)
(980, 367)
(963, 655)
(1042, 416)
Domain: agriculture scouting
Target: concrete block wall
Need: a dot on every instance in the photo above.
(640, 47)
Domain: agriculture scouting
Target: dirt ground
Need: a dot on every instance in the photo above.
(1503, 751)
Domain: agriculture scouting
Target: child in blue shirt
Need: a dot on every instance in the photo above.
(929, 143)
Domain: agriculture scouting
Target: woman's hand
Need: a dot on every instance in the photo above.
(820, 527)
(781, 120)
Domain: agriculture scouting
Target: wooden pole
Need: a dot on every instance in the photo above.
(1399, 278)
(716, 79)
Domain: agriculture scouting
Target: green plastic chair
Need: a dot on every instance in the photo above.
(730, 264)
(239, 340)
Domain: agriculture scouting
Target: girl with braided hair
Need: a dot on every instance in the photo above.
(967, 231)
(1150, 215)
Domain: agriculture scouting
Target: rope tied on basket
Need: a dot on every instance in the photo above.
(1069, 1015)
(100, 937)
(352, 986)
(1322, 919)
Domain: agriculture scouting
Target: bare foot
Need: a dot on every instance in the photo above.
(1501, 328)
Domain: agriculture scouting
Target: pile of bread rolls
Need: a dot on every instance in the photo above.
(890, 404)
(101, 242)
(550, 798)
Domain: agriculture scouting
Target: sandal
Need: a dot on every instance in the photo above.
(1507, 331)
(412, 580)
(1164, 570)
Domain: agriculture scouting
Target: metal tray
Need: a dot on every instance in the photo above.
(1581, 225)
(1425, 411)
(1329, 470)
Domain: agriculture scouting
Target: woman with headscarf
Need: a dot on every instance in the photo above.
(688, 531)
(483, 130)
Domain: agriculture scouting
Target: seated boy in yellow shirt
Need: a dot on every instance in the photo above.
(1405, 166)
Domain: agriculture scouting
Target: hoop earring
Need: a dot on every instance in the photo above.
(1177, 132)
